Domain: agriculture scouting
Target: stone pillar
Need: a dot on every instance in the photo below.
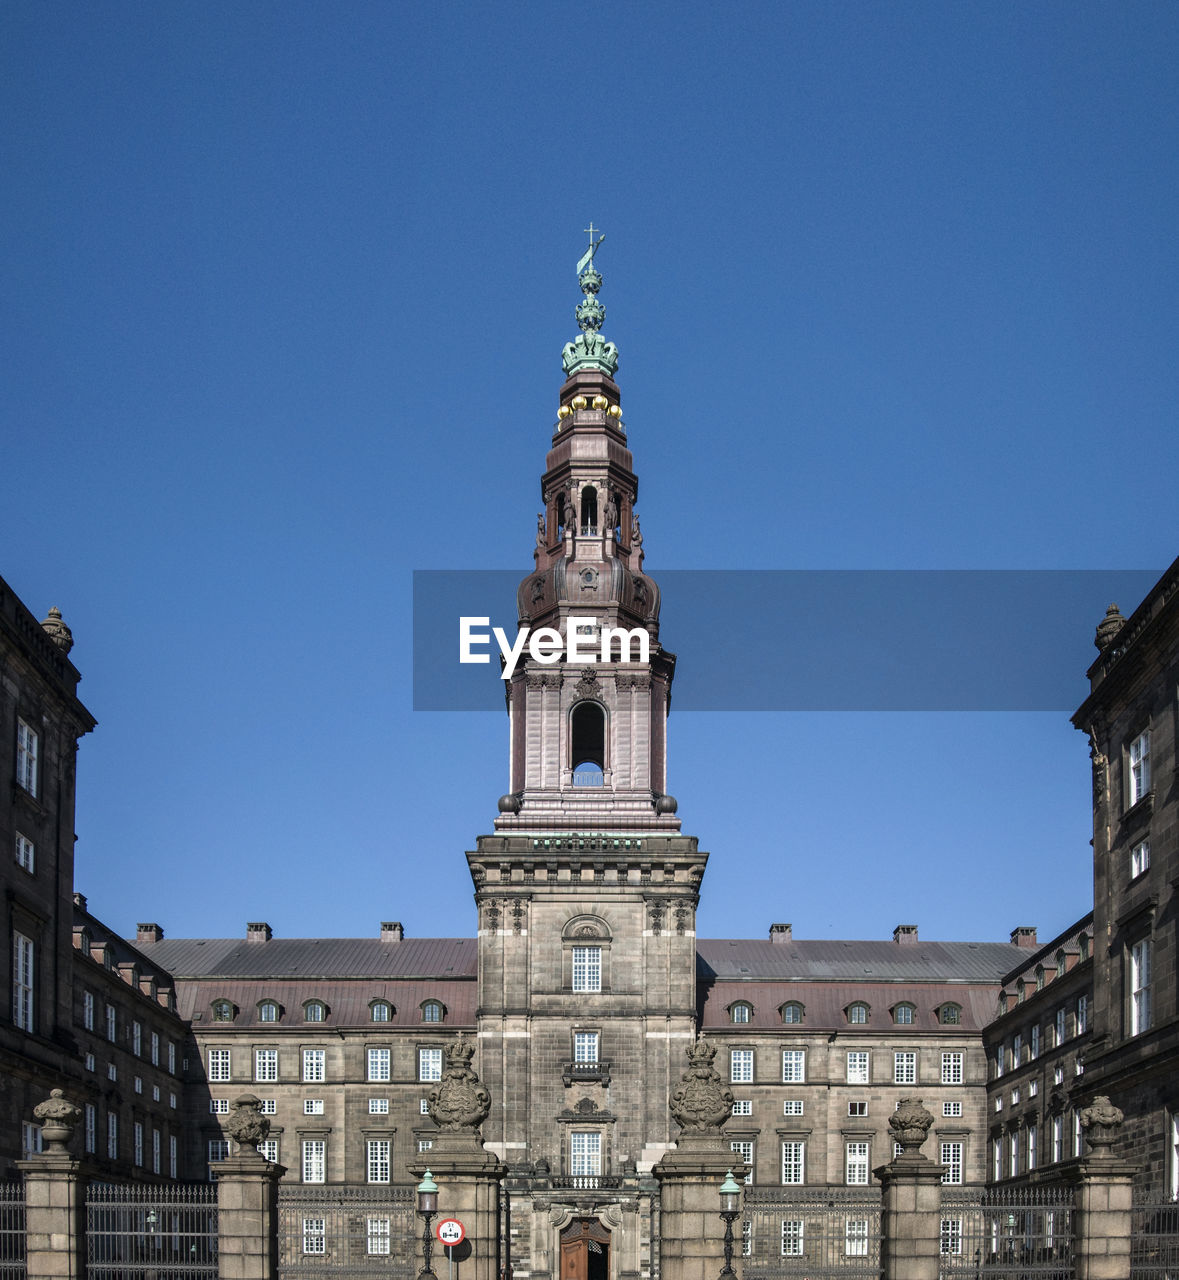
(1102, 1199)
(247, 1199)
(691, 1230)
(55, 1197)
(911, 1211)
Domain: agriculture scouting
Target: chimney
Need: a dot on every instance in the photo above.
(258, 932)
(1024, 936)
(905, 934)
(148, 933)
(80, 901)
(391, 931)
(781, 933)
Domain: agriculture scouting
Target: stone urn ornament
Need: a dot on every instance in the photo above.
(246, 1125)
(58, 1118)
(910, 1124)
(1101, 1121)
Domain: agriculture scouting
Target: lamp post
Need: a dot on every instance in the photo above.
(730, 1198)
(427, 1207)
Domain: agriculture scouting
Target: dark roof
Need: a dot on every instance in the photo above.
(745, 960)
(306, 958)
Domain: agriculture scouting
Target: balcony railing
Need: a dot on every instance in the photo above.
(589, 1182)
(582, 1071)
(589, 778)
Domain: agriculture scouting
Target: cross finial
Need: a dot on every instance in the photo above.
(587, 259)
(590, 231)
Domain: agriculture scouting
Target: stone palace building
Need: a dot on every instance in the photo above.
(586, 981)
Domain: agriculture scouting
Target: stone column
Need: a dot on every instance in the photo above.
(468, 1176)
(911, 1211)
(55, 1197)
(1102, 1199)
(247, 1199)
(691, 1230)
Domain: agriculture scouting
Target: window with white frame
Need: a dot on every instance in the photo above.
(951, 1159)
(1078, 1134)
(1138, 756)
(88, 1010)
(856, 1165)
(996, 1159)
(1031, 1146)
(951, 1236)
(585, 1048)
(112, 1136)
(218, 1150)
(378, 1106)
(314, 1161)
(858, 1066)
(378, 1159)
(90, 1114)
(1000, 1057)
(314, 1065)
(747, 1238)
(740, 1012)
(424, 1106)
(587, 968)
(313, 1106)
(155, 1053)
(429, 1064)
(744, 1149)
(89, 1062)
(26, 853)
(314, 1011)
(792, 1107)
(1012, 1154)
(268, 1011)
(268, 1149)
(112, 1023)
(950, 1109)
(218, 1065)
(26, 757)
(585, 1154)
(314, 1235)
(952, 1068)
(1140, 987)
(857, 1013)
(380, 1065)
(1017, 1052)
(904, 1067)
(793, 1163)
(112, 1071)
(793, 1245)
(1034, 1042)
(379, 1237)
(432, 1011)
(381, 1011)
(793, 1066)
(1033, 1088)
(902, 1014)
(424, 1144)
(23, 1009)
(858, 1109)
(793, 1012)
(742, 1107)
(1082, 1015)
(855, 1237)
(1058, 1074)
(268, 1106)
(266, 1065)
(137, 1039)
(219, 1106)
(741, 1066)
(30, 1139)
(138, 1083)
(1139, 858)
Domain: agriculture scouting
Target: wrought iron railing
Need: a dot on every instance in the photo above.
(1154, 1239)
(1008, 1233)
(145, 1231)
(574, 1072)
(812, 1232)
(587, 1182)
(12, 1231)
(333, 1231)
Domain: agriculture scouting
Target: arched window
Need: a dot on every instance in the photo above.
(587, 739)
(902, 1014)
(1060, 962)
(84, 943)
(793, 1012)
(381, 1011)
(268, 1011)
(950, 1015)
(1021, 991)
(433, 1011)
(589, 509)
(1039, 977)
(222, 1010)
(741, 1011)
(1083, 943)
(314, 1011)
(857, 1013)
(1003, 998)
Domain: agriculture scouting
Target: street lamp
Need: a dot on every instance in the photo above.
(730, 1198)
(427, 1207)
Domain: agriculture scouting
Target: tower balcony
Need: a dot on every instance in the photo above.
(586, 1072)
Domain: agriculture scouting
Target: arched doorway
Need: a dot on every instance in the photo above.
(585, 1250)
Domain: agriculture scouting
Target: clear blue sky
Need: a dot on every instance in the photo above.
(284, 296)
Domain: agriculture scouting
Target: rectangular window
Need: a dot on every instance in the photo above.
(155, 1052)
(266, 1065)
(951, 1068)
(112, 1023)
(999, 1056)
(218, 1066)
(951, 1158)
(793, 1066)
(173, 1157)
(857, 1067)
(1034, 1044)
(743, 1107)
(379, 1238)
(1082, 1015)
(429, 1064)
(313, 1106)
(268, 1149)
(378, 1106)
(314, 1233)
(90, 1111)
(424, 1106)
(30, 1139)
(138, 1141)
(314, 1160)
(741, 1066)
(218, 1150)
(1013, 1155)
(996, 1159)
(138, 1084)
(219, 1106)
(90, 1062)
(1078, 1134)
(112, 1071)
(425, 1144)
(155, 1151)
(857, 1109)
(585, 1047)
(951, 1108)
(857, 1164)
(1017, 1052)
(112, 1136)
(855, 1238)
(1140, 987)
(378, 1158)
(313, 1065)
(379, 1064)
(587, 968)
(1031, 1146)
(951, 1236)
(88, 1010)
(747, 1238)
(793, 1163)
(792, 1238)
(26, 853)
(1033, 1088)
(1058, 1074)
(904, 1068)
(26, 757)
(792, 1107)
(137, 1039)
(269, 1107)
(1139, 760)
(22, 982)
(1139, 858)
(744, 1150)
(585, 1154)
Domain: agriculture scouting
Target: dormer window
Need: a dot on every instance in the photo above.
(1059, 963)
(314, 1011)
(741, 1012)
(1039, 977)
(1021, 991)
(268, 1011)
(857, 1013)
(223, 1011)
(381, 1011)
(1083, 943)
(950, 1015)
(793, 1012)
(433, 1011)
(902, 1014)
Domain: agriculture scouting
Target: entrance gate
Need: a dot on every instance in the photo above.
(585, 1250)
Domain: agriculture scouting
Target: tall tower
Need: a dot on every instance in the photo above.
(586, 891)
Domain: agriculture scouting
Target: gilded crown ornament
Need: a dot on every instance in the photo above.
(590, 350)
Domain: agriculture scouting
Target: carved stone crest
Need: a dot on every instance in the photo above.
(588, 687)
(246, 1125)
(460, 1100)
(657, 911)
(702, 1102)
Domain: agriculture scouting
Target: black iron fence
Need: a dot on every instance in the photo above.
(816, 1233)
(12, 1231)
(151, 1231)
(1008, 1234)
(1154, 1240)
(326, 1231)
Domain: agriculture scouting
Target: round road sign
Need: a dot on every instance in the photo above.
(450, 1231)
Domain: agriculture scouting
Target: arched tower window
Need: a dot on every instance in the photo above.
(587, 735)
(589, 509)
